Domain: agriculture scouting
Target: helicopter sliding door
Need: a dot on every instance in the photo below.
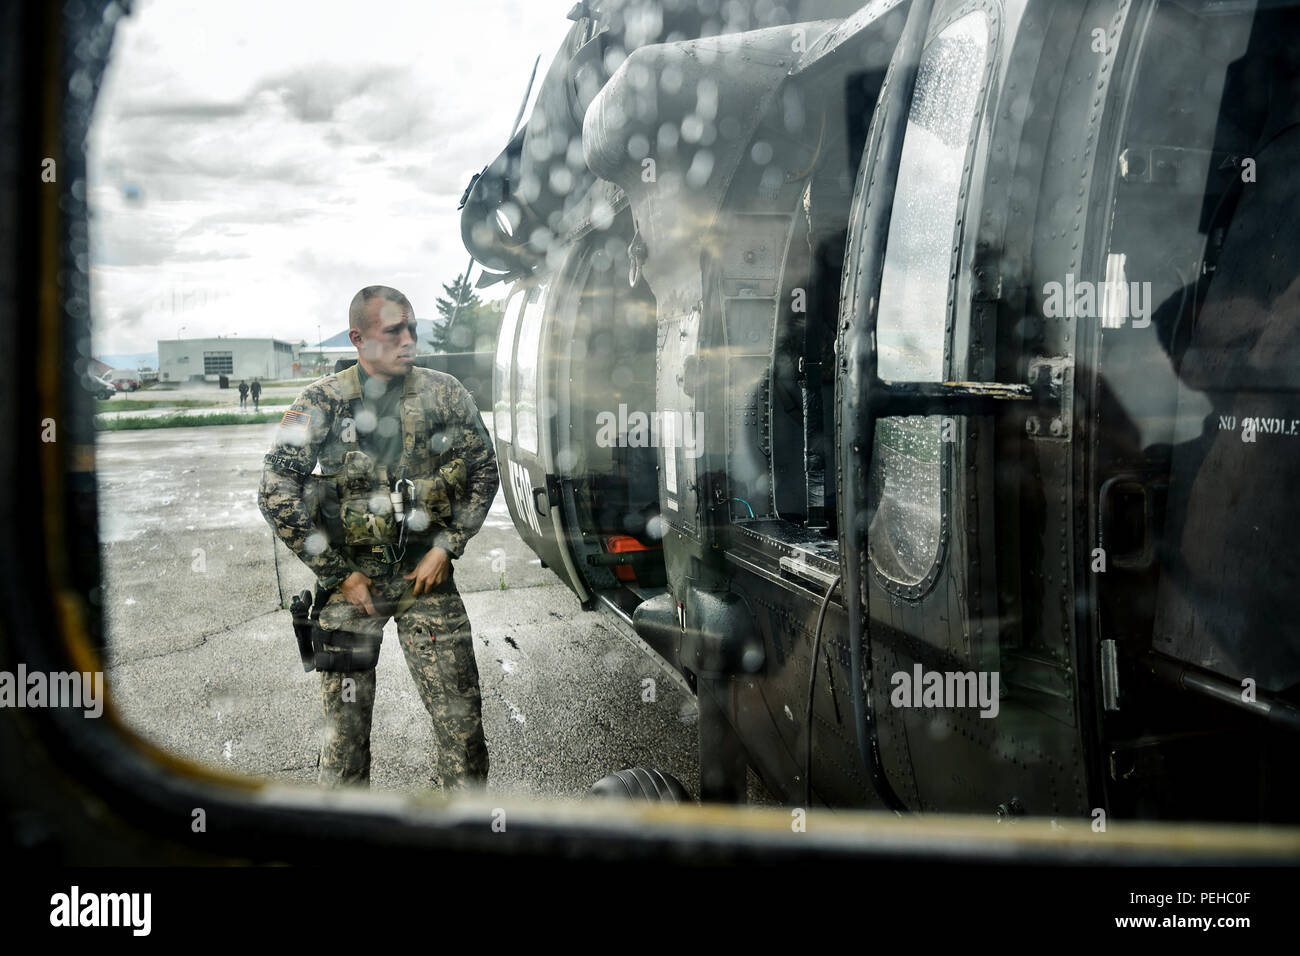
(1195, 399)
(928, 571)
(959, 539)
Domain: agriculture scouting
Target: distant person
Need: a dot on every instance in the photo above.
(256, 390)
(243, 392)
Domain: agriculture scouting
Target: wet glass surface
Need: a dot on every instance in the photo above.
(914, 314)
(652, 335)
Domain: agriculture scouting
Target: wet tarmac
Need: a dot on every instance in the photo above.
(202, 658)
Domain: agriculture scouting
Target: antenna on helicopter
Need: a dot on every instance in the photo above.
(523, 105)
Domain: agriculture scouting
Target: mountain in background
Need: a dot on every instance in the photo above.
(426, 329)
(134, 361)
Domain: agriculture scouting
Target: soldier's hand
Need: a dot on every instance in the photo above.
(431, 571)
(356, 591)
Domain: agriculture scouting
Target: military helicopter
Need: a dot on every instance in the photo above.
(899, 374)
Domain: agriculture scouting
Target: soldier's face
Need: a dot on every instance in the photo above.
(386, 346)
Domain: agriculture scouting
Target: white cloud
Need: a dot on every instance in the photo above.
(252, 164)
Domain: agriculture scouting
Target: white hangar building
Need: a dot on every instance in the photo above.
(184, 360)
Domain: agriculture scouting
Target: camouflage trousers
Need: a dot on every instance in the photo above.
(434, 632)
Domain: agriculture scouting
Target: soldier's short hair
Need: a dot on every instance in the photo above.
(357, 310)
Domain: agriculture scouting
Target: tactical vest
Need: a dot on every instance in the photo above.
(353, 495)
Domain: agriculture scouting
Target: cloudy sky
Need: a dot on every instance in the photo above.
(255, 162)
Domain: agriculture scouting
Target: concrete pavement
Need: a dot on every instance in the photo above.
(202, 658)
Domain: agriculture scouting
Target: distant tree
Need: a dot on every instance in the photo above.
(459, 292)
(437, 340)
(469, 325)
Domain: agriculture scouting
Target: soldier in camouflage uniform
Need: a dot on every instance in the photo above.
(380, 426)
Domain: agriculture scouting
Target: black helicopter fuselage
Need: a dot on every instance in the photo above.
(842, 353)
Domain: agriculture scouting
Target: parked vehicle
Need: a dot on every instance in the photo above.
(98, 387)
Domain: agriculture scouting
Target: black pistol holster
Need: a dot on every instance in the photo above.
(360, 652)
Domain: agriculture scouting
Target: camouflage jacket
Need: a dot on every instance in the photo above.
(439, 423)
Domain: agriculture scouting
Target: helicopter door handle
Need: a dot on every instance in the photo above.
(1108, 517)
(544, 498)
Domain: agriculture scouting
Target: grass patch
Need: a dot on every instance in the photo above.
(136, 404)
(110, 405)
(269, 403)
(119, 424)
(122, 405)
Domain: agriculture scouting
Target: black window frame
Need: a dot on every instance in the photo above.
(117, 797)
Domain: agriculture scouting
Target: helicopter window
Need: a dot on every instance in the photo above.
(907, 466)
(1200, 407)
(505, 351)
(526, 358)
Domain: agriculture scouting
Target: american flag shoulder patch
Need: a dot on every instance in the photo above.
(293, 419)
